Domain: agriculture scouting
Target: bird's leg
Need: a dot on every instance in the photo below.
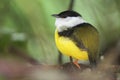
(76, 63)
(71, 60)
(60, 56)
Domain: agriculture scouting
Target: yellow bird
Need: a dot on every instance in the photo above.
(76, 38)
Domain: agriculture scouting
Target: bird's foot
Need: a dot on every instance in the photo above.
(76, 63)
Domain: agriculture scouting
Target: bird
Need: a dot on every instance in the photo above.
(76, 38)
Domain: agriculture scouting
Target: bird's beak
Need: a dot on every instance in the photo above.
(55, 15)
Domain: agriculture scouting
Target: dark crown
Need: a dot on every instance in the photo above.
(65, 14)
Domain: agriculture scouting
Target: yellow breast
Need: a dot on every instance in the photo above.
(68, 47)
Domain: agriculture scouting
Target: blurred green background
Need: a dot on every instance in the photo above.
(29, 26)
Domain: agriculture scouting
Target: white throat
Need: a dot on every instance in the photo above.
(69, 22)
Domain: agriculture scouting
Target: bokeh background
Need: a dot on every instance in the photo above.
(27, 25)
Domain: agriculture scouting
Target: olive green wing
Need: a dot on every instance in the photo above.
(87, 38)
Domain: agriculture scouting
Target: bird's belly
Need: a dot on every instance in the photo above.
(68, 47)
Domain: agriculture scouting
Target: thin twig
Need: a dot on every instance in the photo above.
(71, 5)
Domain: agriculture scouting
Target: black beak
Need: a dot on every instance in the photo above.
(55, 15)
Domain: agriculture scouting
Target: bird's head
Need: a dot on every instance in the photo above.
(67, 19)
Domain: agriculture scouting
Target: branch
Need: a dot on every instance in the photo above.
(21, 54)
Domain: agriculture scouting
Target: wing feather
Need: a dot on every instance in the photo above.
(87, 37)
